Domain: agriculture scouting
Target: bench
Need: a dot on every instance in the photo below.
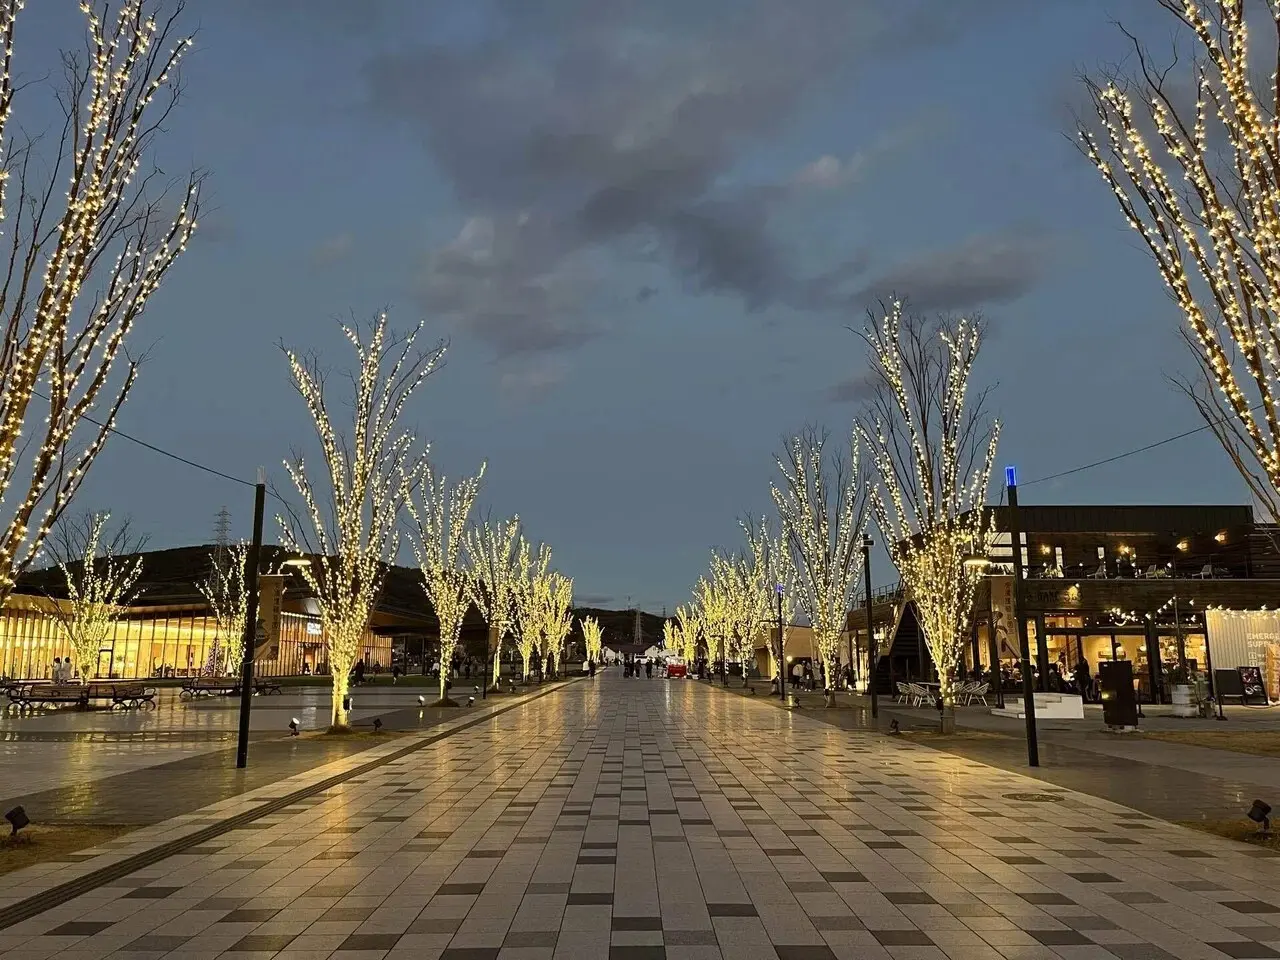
(24, 695)
(132, 696)
(209, 686)
(267, 685)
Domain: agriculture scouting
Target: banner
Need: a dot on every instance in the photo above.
(270, 595)
(1244, 638)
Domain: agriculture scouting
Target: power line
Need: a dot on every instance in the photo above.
(1134, 452)
(154, 449)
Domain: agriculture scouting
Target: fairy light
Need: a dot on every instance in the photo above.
(495, 561)
(556, 593)
(530, 601)
(103, 232)
(224, 591)
(933, 458)
(349, 529)
(99, 585)
(686, 633)
(441, 521)
(593, 637)
(1213, 231)
(823, 507)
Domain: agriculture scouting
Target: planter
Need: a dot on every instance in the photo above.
(1184, 702)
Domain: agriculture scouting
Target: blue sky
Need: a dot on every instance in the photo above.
(645, 229)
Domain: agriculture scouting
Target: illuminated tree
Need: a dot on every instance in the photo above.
(531, 583)
(348, 522)
(225, 592)
(932, 446)
(100, 574)
(669, 638)
(686, 633)
(822, 502)
(745, 576)
(1201, 184)
(441, 530)
(557, 614)
(90, 237)
(782, 575)
(495, 561)
(592, 638)
(714, 607)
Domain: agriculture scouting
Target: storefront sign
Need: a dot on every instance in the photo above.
(1242, 638)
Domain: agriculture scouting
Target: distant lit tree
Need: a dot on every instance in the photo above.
(225, 592)
(495, 560)
(90, 231)
(686, 633)
(348, 522)
(822, 502)
(440, 530)
(1199, 180)
(557, 614)
(932, 445)
(592, 638)
(100, 573)
(531, 586)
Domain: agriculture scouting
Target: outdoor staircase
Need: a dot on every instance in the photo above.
(1049, 706)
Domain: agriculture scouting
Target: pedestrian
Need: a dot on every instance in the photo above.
(395, 673)
(360, 672)
(648, 669)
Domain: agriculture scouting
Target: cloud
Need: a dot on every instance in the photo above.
(530, 378)
(593, 599)
(330, 251)
(586, 132)
(982, 270)
(856, 389)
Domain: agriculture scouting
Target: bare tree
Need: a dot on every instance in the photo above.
(495, 558)
(823, 505)
(441, 530)
(1199, 180)
(225, 590)
(100, 571)
(90, 238)
(932, 445)
(347, 522)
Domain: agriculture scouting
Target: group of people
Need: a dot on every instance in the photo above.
(63, 671)
(633, 668)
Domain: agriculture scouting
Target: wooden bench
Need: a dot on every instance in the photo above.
(267, 685)
(24, 695)
(209, 686)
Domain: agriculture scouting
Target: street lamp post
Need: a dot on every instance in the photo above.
(250, 638)
(873, 651)
(1024, 647)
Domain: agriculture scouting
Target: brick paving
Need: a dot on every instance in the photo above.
(649, 819)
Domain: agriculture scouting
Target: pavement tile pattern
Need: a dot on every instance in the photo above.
(640, 819)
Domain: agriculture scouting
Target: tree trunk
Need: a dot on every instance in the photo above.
(947, 719)
(340, 718)
(497, 667)
(444, 679)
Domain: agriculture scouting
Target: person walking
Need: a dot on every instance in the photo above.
(648, 669)
(359, 672)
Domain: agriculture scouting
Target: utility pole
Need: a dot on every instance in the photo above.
(873, 651)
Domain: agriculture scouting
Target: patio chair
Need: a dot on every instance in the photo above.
(919, 695)
(904, 695)
(963, 690)
(1206, 572)
(979, 692)
(1100, 573)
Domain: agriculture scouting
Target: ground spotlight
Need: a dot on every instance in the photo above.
(1259, 813)
(471, 701)
(893, 728)
(293, 727)
(421, 700)
(377, 724)
(17, 818)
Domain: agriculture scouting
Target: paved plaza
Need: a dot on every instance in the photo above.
(613, 818)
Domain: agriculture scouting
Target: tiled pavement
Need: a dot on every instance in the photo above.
(638, 819)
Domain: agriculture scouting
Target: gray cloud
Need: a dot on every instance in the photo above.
(983, 269)
(584, 129)
(856, 389)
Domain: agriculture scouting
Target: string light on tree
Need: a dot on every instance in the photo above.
(531, 582)
(225, 592)
(100, 578)
(495, 560)
(110, 230)
(593, 638)
(931, 447)
(347, 524)
(823, 507)
(1201, 185)
(440, 522)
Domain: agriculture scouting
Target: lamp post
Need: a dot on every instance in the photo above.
(782, 650)
(873, 652)
(1024, 647)
(250, 638)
